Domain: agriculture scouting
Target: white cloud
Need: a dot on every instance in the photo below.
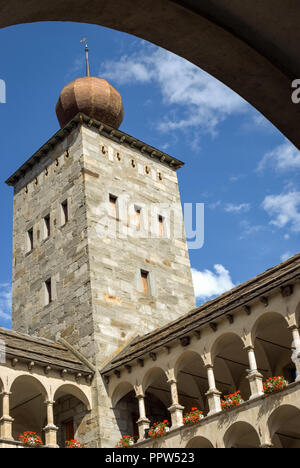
(5, 301)
(242, 208)
(284, 210)
(208, 283)
(203, 101)
(283, 158)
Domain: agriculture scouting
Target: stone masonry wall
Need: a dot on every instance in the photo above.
(98, 302)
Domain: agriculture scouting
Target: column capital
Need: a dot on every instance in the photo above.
(140, 396)
(50, 427)
(4, 393)
(209, 366)
(249, 347)
(6, 418)
(49, 402)
(213, 391)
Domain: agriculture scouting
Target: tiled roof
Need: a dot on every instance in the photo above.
(238, 297)
(41, 351)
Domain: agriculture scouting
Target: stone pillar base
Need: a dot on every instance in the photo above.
(214, 401)
(6, 428)
(51, 436)
(143, 424)
(256, 384)
(176, 415)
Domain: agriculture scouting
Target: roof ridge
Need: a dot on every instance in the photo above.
(31, 338)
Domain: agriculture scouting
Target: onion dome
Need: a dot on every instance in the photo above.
(92, 96)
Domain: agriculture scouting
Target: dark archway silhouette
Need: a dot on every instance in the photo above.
(253, 49)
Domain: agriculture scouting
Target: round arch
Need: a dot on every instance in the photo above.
(241, 435)
(272, 341)
(29, 381)
(192, 383)
(185, 358)
(243, 45)
(264, 319)
(199, 442)
(230, 360)
(284, 427)
(69, 389)
(28, 405)
(225, 340)
(153, 374)
(120, 391)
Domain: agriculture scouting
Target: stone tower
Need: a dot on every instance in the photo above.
(95, 256)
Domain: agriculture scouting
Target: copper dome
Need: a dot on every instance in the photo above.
(92, 96)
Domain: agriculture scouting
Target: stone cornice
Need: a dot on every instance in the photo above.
(103, 129)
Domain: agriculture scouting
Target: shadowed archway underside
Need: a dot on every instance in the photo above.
(250, 45)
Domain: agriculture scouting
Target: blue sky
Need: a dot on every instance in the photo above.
(237, 163)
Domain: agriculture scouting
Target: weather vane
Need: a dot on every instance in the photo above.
(84, 41)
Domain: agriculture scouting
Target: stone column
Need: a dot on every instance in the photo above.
(255, 378)
(143, 422)
(213, 395)
(175, 409)
(6, 420)
(50, 430)
(296, 351)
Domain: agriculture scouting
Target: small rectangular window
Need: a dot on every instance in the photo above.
(145, 282)
(30, 240)
(137, 222)
(113, 212)
(160, 226)
(64, 213)
(48, 291)
(47, 229)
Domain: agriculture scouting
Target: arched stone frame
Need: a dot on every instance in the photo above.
(126, 409)
(193, 385)
(230, 372)
(199, 442)
(272, 341)
(241, 434)
(234, 57)
(156, 389)
(75, 391)
(121, 390)
(71, 411)
(284, 426)
(28, 405)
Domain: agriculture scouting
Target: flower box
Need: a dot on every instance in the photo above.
(74, 444)
(31, 439)
(125, 442)
(159, 429)
(193, 417)
(274, 384)
(231, 401)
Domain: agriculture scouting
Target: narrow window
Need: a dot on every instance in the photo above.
(137, 217)
(64, 213)
(160, 226)
(47, 230)
(48, 291)
(145, 282)
(30, 240)
(113, 206)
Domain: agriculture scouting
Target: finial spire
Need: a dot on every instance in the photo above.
(84, 41)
